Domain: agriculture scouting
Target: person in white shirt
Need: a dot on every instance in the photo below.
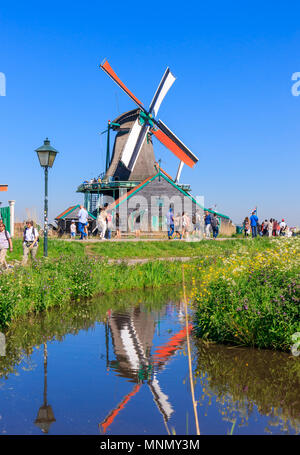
(82, 221)
(73, 229)
(101, 223)
(30, 242)
(5, 243)
(282, 227)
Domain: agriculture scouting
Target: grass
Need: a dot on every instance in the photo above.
(56, 248)
(129, 250)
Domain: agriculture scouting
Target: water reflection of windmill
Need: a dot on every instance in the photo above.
(132, 339)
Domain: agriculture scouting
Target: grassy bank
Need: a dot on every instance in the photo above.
(57, 282)
(251, 299)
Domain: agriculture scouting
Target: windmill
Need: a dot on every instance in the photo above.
(146, 123)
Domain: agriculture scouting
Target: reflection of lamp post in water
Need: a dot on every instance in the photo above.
(45, 414)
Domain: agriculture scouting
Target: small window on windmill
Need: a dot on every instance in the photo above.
(159, 202)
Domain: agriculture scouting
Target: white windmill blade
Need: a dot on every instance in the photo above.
(161, 399)
(134, 144)
(165, 84)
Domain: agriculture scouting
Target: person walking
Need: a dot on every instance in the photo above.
(265, 229)
(185, 224)
(118, 230)
(207, 223)
(270, 227)
(101, 223)
(197, 224)
(274, 233)
(278, 229)
(177, 225)
(108, 225)
(73, 230)
(253, 223)
(170, 222)
(246, 226)
(215, 225)
(30, 242)
(82, 221)
(5, 244)
(282, 227)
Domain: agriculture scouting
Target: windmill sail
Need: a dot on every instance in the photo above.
(166, 137)
(108, 69)
(139, 132)
(134, 144)
(138, 145)
(165, 84)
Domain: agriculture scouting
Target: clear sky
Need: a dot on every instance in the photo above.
(231, 103)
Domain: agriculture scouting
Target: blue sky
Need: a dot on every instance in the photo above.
(231, 103)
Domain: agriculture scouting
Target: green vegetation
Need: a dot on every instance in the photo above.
(53, 282)
(174, 248)
(251, 298)
(56, 248)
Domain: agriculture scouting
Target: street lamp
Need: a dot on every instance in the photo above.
(45, 414)
(46, 154)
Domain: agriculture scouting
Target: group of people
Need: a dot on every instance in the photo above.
(94, 180)
(271, 228)
(182, 225)
(104, 224)
(30, 243)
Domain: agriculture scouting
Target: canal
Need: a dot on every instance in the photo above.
(118, 365)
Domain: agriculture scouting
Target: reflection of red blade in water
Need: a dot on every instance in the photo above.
(162, 353)
(111, 417)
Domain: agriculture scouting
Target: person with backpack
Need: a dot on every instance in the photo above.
(215, 225)
(30, 242)
(5, 244)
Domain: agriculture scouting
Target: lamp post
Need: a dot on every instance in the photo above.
(45, 413)
(46, 154)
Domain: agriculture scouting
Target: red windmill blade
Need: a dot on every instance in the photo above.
(108, 69)
(169, 140)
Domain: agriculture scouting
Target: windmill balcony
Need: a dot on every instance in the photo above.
(94, 187)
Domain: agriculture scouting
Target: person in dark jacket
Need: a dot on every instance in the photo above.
(215, 225)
